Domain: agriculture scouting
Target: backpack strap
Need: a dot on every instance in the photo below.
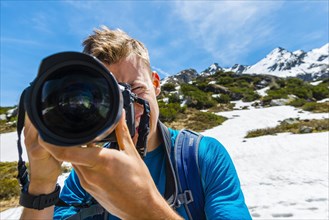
(171, 190)
(90, 211)
(188, 174)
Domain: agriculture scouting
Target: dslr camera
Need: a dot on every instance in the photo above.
(75, 100)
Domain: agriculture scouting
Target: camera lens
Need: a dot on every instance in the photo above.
(75, 103)
(74, 100)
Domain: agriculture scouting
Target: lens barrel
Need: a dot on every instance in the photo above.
(74, 100)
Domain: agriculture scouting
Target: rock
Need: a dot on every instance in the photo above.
(305, 129)
(278, 102)
(3, 117)
(290, 121)
(12, 112)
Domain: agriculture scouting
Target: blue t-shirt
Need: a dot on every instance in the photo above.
(223, 196)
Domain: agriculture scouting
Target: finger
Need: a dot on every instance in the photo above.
(81, 156)
(91, 145)
(123, 136)
(30, 132)
(135, 138)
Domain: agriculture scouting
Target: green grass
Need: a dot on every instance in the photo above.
(10, 189)
(5, 127)
(316, 107)
(3, 110)
(9, 184)
(316, 125)
(201, 121)
(196, 120)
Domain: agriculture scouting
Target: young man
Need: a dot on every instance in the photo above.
(121, 182)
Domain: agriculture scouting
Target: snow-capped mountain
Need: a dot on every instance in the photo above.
(280, 62)
(283, 63)
(212, 69)
(184, 76)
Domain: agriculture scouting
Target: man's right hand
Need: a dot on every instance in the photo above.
(44, 168)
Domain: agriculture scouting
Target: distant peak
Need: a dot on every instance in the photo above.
(299, 53)
(278, 50)
(324, 48)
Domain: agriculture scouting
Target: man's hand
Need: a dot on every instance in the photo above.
(44, 168)
(118, 180)
(44, 171)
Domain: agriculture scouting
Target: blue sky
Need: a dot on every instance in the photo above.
(178, 34)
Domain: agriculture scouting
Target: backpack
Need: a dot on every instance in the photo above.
(185, 159)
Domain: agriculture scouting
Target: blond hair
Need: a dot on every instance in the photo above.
(110, 46)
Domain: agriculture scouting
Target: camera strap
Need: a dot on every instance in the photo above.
(22, 176)
(143, 128)
(27, 200)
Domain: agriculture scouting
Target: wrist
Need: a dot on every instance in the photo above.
(160, 209)
(40, 187)
(39, 202)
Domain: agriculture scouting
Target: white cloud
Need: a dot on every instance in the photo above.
(227, 29)
(160, 71)
(42, 22)
(27, 42)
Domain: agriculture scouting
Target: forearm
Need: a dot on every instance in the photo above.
(164, 211)
(156, 207)
(46, 213)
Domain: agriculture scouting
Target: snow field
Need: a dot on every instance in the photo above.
(283, 176)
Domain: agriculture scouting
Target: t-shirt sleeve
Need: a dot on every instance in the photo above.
(72, 193)
(223, 196)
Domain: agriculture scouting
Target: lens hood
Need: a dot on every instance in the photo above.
(74, 100)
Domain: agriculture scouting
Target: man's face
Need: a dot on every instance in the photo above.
(135, 72)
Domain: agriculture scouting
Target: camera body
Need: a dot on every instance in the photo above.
(129, 98)
(76, 100)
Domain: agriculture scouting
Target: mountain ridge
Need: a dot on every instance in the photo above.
(309, 66)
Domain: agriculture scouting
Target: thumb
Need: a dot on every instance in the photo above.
(123, 136)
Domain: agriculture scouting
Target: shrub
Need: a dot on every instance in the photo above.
(294, 82)
(281, 83)
(225, 80)
(316, 125)
(297, 102)
(201, 121)
(316, 107)
(320, 92)
(266, 100)
(203, 86)
(168, 87)
(173, 98)
(249, 97)
(277, 93)
(247, 94)
(197, 98)
(223, 98)
(301, 92)
(168, 112)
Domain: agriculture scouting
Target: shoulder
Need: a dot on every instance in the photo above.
(207, 147)
(212, 157)
(210, 147)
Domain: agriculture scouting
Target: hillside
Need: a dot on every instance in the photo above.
(218, 92)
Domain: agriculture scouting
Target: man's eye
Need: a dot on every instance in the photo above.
(138, 89)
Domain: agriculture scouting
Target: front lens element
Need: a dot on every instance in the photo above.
(75, 103)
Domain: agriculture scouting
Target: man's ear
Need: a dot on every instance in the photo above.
(156, 82)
